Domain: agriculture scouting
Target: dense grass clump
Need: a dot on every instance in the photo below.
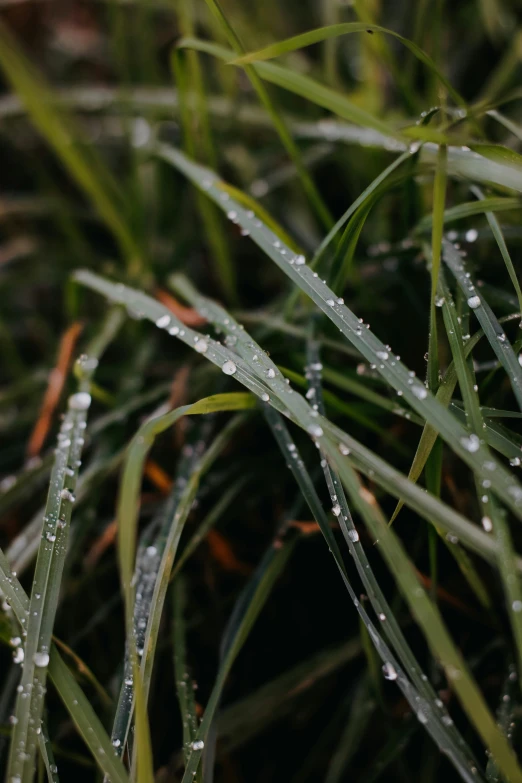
(260, 391)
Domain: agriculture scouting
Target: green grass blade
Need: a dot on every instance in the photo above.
(359, 202)
(278, 122)
(184, 684)
(60, 133)
(486, 318)
(333, 31)
(493, 515)
(501, 242)
(471, 208)
(46, 586)
(310, 89)
(248, 607)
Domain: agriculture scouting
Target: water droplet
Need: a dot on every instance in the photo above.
(330, 302)
(163, 321)
(389, 671)
(471, 235)
(80, 401)
(487, 524)
(420, 392)
(299, 260)
(265, 397)
(116, 743)
(197, 745)
(315, 430)
(270, 373)
(201, 346)
(383, 355)
(229, 368)
(353, 535)
(517, 606)
(336, 510)
(66, 494)
(474, 302)
(471, 443)
(41, 659)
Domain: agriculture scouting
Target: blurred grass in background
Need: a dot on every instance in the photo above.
(261, 181)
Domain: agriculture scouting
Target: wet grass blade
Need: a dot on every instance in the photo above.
(493, 518)
(501, 242)
(46, 587)
(444, 395)
(388, 365)
(486, 318)
(184, 684)
(78, 706)
(127, 515)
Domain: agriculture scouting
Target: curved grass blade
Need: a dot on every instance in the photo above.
(470, 208)
(127, 515)
(170, 545)
(359, 202)
(315, 92)
(389, 366)
(128, 502)
(333, 31)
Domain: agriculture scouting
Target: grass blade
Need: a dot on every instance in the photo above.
(486, 318)
(46, 586)
(60, 133)
(336, 30)
(277, 120)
